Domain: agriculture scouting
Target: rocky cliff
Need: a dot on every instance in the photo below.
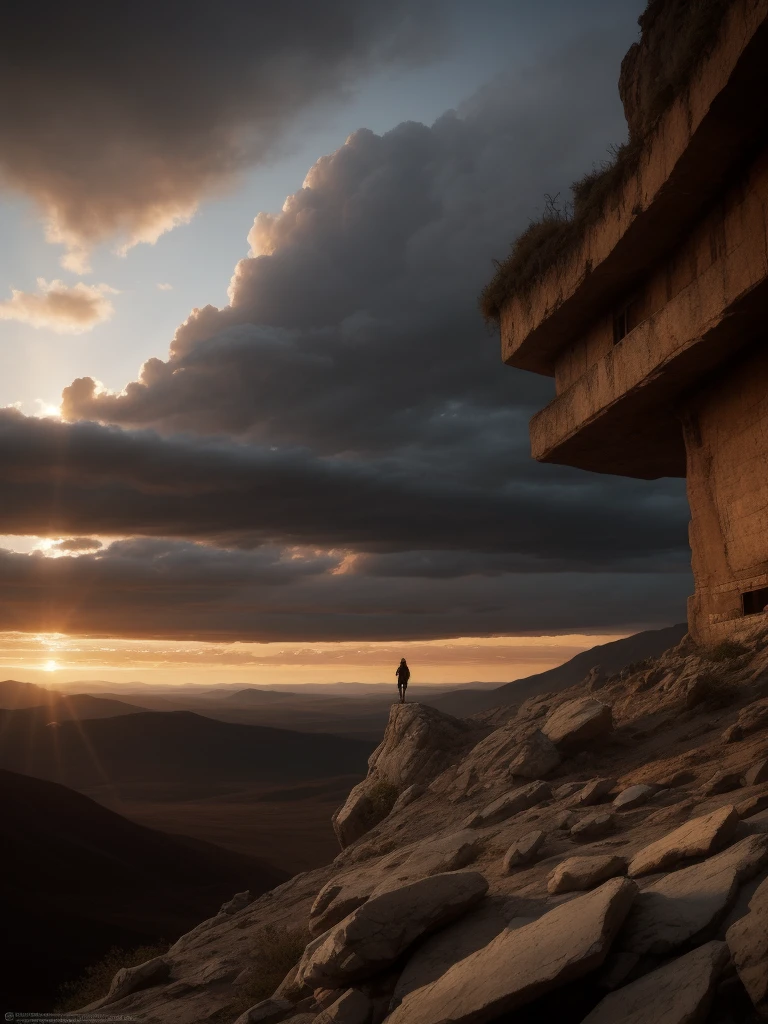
(597, 856)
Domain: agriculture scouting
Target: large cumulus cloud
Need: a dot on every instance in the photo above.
(119, 117)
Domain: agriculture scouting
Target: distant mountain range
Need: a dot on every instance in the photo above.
(79, 879)
(612, 657)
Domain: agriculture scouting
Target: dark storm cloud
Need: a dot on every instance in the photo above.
(180, 590)
(84, 478)
(118, 117)
(350, 403)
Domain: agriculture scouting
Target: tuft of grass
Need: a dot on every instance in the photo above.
(95, 980)
(726, 650)
(275, 950)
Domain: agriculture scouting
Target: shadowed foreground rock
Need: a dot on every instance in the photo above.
(523, 963)
(679, 993)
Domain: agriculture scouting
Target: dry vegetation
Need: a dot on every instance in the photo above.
(548, 240)
(275, 951)
(95, 980)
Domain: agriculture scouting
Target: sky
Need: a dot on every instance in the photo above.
(249, 411)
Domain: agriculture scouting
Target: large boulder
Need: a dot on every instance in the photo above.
(678, 993)
(748, 942)
(523, 850)
(696, 838)
(577, 722)
(687, 904)
(521, 964)
(377, 933)
(419, 743)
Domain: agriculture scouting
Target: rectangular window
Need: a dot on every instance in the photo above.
(627, 317)
(754, 601)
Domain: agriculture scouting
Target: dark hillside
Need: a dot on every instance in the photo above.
(79, 879)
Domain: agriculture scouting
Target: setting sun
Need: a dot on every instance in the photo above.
(50, 666)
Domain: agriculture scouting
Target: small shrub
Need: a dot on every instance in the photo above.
(276, 949)
(726, 650)
(95, 980)
(381, 797)
(714, 692)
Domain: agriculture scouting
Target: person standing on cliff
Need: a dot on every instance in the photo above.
(403, 674)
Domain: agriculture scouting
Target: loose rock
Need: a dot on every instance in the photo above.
(678, 993)
(408, 796)
(578, 721)
(721, 782)
(521, 964)
(523, 851)
(596, 791)
(633, 796)
(594, 827)
(133, 979)
(584, 873)
(512, 803)
(696, 838)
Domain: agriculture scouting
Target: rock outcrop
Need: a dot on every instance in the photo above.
(418, 744)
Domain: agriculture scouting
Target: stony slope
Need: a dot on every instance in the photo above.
(588, 857)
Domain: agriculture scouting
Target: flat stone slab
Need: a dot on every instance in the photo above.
(678, 993)
(523, 851)
(521, 964)
(512, 803)
(577, 721)
(633, 796)
(377, 933)
(696, 838)
(683, 906)
(585, 872)
(747, 940)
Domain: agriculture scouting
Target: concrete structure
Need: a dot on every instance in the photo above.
(654, 319)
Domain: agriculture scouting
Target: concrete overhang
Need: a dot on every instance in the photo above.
(623, 416)
(707, 132)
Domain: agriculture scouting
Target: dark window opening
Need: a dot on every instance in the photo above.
(754, 601)
(626, 318)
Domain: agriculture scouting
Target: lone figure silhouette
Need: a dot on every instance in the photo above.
(403, 674)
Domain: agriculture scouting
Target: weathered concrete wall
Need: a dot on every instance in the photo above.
(616, 407)
(726, 434)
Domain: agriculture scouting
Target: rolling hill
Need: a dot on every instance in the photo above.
(171, 755)
(61, 706)
(79, 879)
